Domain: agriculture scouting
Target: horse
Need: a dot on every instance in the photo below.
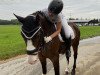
(34, 28)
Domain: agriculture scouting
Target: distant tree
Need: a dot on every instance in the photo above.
(86, 19)
(9, 22)
(71, 18)
(99, 20)
(77, 18)
(93, 22)
(81, 18)
(14, 21)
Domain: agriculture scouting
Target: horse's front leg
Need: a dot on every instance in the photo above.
(44, 68)
(44, 64)
(55, 62)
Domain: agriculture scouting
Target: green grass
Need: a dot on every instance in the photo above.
(89, 31)
(12, 44)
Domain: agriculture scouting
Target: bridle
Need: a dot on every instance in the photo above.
(37, 30)
(34, 32)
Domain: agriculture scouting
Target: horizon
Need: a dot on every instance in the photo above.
(75, 9)
(67, 18)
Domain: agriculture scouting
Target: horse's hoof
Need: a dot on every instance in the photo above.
(66, 72)
(73, 72)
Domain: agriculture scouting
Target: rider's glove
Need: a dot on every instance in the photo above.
(47, 39)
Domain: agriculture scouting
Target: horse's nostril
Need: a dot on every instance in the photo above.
(32, 52)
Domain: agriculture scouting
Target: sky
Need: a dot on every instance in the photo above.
(72, 8)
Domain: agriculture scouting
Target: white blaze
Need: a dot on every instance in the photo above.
(30, 45)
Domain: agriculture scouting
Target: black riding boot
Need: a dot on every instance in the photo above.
(68, 45)
(68, 53)
(67, 42)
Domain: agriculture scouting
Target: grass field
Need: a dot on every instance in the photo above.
(89, 31)
(12, 44)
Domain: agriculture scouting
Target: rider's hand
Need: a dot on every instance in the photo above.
(47, 39)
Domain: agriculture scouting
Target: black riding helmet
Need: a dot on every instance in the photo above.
(55, 6)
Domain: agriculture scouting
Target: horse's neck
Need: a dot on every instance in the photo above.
(49, 29)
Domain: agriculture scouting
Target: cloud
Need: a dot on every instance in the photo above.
(77, 8)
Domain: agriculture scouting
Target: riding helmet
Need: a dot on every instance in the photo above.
(55, 6)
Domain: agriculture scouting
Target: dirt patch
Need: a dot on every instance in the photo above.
(17, 57)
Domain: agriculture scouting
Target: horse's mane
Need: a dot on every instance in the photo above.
(35, 13)
(42, 14)
(38, 13)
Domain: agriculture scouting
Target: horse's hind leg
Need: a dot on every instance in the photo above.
(68, 53)
(43, 63)
(75, 49)
(67, 57)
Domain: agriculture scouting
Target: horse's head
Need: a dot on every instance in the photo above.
(29, 32)
(34, 29)
(28, 24)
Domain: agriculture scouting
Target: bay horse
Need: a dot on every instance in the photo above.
(34, 28)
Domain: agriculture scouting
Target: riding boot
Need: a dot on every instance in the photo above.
(68, 53)
(68, 45)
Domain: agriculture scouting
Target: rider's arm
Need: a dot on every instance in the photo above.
(58, 25)
(58, 30)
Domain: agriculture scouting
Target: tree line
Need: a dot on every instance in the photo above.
(15, 21)
(9, 22)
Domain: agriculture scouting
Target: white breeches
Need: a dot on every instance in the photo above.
(67, 29)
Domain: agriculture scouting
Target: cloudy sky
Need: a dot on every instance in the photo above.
(72, 8)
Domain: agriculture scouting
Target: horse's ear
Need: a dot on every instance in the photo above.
(20, 19)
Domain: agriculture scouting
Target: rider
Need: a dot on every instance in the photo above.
(54, 14)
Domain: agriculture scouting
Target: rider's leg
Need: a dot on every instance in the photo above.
(66, 34)
(68, 44)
